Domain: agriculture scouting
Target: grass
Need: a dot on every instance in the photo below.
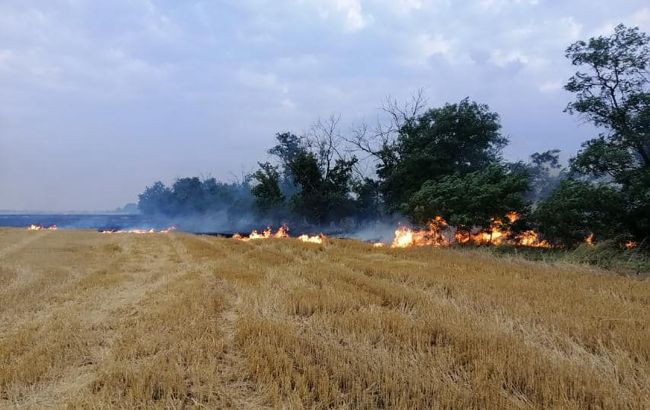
(605, 254)
(180, 321)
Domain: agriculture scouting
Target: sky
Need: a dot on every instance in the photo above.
(99, 99)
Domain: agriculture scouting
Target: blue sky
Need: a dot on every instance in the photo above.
(100, 98)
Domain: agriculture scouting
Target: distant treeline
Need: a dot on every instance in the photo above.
(422, 162)
(193, 196)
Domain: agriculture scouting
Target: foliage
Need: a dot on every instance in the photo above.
(607, 254)
(453, 139)
(155, 199)
(191, 196)
(545, 174)
(613, 92)
(368, 198)
(289, 146)
(447, 161)
(470, 200)
(324, 194)
(577, 209)
(266, 191)
(319, 178)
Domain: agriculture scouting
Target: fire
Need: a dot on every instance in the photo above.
(530, 238)
(589, 240)
(513, 216)
(33, 227)
(404, 237)
(631, 244)
(436, 234)
(141, 231)
(312, 239)
(439, 233)
(282, 232)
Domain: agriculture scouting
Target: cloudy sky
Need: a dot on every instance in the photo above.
(100, 98)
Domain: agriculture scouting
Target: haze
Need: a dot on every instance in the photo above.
(100, 99)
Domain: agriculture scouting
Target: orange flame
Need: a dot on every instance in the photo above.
(589, 240)
(530, 238)
(436, 235)
(439, 233)
(312, 239)
(513, 216)
(282, 232)
(631, 244)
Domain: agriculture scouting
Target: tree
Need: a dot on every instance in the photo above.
(316, 175)
(324, 194)
(288, 147)
(577, 209)
(156, 199)
(266, 191)
(545, 173)
(470, 200)
(189, 196)
(232, 197)
(453, 139)
(368, 199)
(612, 91)
(310, 200)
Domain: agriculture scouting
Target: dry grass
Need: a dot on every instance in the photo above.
(179, 321)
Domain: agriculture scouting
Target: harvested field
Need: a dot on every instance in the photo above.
(90, 320)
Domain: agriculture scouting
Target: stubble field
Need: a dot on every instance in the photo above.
(90, 320)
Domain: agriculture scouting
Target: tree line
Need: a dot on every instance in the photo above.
(446, 161)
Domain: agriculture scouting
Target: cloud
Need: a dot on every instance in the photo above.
(550, 86)
(267, 81)
(432, 45)
(500, 5)
(350, 10)
(155, 89)
(641, 18)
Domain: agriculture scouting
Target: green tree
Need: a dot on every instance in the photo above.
(577, 209)
(310, 200)
(324, 194)
(287, 148)
(368, 198)
(189, 196)
(266, 190)
(315, 177)
(544, 172)
(453, 139)
(612, 91)
(470, 200)
(156, 199)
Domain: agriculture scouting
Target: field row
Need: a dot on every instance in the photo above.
(176, 320)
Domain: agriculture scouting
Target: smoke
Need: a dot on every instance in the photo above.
(378, 230)
(225, 222)
(214, 222)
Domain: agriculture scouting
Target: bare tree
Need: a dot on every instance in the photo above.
(364, 142)
(325, 139)
(373, 140)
